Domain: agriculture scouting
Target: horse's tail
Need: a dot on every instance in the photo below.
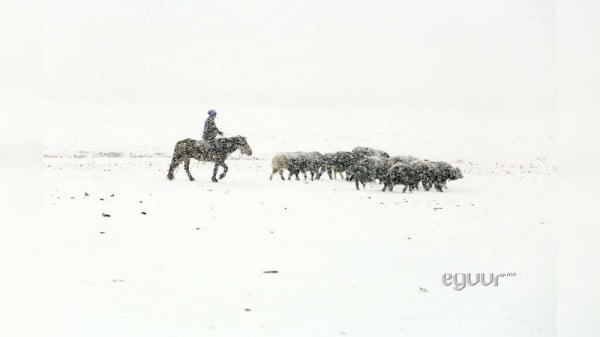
(177, 158)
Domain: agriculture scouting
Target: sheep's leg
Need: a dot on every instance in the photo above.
(356, 182)
(187, 169)
(215, 170)
(225, 169)
(304, 173)
(329, 174)
(363, 183)
(320, 173)
(174, 163)
(272, 173)
(296, 174)
(281, 174)
(404, 189)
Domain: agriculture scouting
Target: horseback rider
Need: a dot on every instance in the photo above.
(211, 131)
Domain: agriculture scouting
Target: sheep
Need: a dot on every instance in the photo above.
(402, 174)
(409, 160)
(297, 162)
(402, 159)
(278, 164)
(294, 162)
(434, 173)
(314, 163)
(326, 165)
(426, 171)
(367, 152)
(442, 172)
(342, 161)
(368, 169)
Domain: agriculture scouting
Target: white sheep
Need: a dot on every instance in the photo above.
(278, 164)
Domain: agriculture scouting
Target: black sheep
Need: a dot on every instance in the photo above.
(297, 162)
(442, 172)
(364, 151)
(402, 159)
(368, 169)
(326, 165)
(402, 174)
(342, 161)
(314, 163)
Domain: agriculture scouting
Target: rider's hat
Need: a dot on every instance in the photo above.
(212, 112)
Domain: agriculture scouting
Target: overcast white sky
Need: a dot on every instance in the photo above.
(478, 55)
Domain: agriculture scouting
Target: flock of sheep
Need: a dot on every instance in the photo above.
(364, 164)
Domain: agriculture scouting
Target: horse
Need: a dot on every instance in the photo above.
(200, 150)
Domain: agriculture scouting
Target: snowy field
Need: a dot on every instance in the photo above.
(181, 258)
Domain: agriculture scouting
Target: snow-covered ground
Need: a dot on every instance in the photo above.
(349, 263)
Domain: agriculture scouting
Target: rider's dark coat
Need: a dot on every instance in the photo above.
(210, 130)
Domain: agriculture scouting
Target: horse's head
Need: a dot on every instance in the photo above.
(243, 146)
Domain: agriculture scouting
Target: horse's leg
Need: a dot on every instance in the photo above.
(225, 169)
(187, 169)
(174, 163)
(214, 176)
